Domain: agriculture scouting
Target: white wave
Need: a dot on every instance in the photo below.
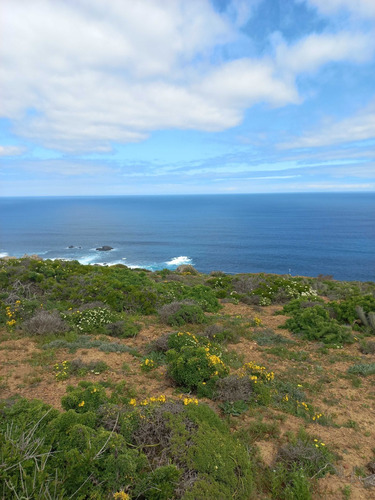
(86, 260)
(3, 254)
(178, 261)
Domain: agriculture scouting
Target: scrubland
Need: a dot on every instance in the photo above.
(128, 384)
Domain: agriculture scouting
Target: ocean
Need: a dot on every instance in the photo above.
(298, 234)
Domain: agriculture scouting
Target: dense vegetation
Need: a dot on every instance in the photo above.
(107, 442)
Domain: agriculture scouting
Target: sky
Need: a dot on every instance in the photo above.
(126, 97)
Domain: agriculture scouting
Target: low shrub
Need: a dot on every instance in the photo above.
(307, 453)
(44, 322)
(234, 388)
(346, 311)
(213, 463)
(193, 360)
(266, 336)
(258, 430)
(160, 344)
(87, 342)
(367, 347)
(86, 397)
(363, 369)
(314, 323)
(193, 365)
(122, 329)
(65, 369)
(91, 320)
(180, 313)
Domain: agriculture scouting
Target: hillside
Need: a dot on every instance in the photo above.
(125, 384)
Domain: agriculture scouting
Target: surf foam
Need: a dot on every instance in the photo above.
(178, 261)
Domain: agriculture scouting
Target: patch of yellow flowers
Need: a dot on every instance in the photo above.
(121, 495)
(159, 399)
(255, 372)
(61, 370)
(11, 314)
(190, 401)
(318, 444)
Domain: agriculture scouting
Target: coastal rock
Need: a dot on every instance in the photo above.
(186, 268)
(104, 248)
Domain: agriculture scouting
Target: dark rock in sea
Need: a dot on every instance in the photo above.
(71, 246)
(104, 248)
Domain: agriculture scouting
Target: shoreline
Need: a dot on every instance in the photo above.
(325, 277)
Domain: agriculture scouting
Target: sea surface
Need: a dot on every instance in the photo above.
(297, 234)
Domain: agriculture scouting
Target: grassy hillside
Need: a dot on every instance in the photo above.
(127, 384)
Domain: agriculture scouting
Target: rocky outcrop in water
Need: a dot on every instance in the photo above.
(104, 248)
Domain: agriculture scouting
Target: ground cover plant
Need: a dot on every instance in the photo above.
(125, 384)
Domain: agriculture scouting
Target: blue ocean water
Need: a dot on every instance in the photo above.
(299, 234)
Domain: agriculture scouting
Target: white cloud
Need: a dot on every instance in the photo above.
(359, 127)
(11, 150)
(315, 50)
(360, 8)
(79, 75)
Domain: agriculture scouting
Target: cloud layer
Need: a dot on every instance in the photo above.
(84, 74)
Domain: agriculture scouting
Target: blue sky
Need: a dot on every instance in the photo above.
(186, 96)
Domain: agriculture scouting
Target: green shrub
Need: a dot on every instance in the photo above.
(307, 453)
(86, 397)
(346, 310)
(363, 369)
(185, 313)
(314, 323)
(122, 329)
(367, 347)
(78, 367)
(159, 484)
(266, 336)
(194, 437)
(193, 365)
(91, 320)
(258, 430)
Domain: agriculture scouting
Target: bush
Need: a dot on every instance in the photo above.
(180, 313)
(172, 308)
(45, 322)
(346, 311)
(310, 455)
(122, 329)
(266, 336)
(91, 320)
(367, 347)
(234, 388)
(213, 463)
(84, 398)
(193, 365)
(363, 369)
(314, 323)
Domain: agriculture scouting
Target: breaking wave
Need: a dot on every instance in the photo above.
(178, 261)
